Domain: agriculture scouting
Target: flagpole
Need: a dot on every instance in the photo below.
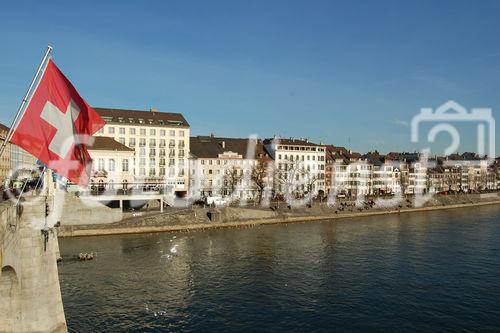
(20, 110)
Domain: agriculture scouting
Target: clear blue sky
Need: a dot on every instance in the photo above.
(325, 70)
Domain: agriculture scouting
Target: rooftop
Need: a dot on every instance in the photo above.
(136, 117)
(291, 142)
(106, 143)
(212, 147)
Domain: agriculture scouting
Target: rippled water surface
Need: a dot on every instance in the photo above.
(417, 272)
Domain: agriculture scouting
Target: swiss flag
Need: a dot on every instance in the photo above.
(56, 126)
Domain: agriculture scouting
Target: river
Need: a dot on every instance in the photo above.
(417, 272)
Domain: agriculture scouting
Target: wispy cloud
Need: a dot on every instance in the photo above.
(401, 122)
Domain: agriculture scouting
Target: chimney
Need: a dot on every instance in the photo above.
(212, 135)
(223, 144)
(153, 110)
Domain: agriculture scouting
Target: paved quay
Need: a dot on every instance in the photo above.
(185, 220)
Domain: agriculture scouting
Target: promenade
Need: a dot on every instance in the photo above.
(191, 219)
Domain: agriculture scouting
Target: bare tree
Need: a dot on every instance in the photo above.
(232, 177)
(293, 176)
(259, 178)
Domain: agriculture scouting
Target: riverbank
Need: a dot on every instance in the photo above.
(186, 220)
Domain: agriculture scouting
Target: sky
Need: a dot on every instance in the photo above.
(350, 73)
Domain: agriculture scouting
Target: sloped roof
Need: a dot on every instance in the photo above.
(155, 118)
(373, 158)
(212, 147)
(106, 143)
(292, 142)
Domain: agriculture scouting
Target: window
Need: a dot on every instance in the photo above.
(142, 151)
(131, 131)
(152, 131)
(125, 165)
(111, 130)
(152, 142)
(122, 130)
(181, 133)
(121, 140)
(101, 131)
(131, 142)
(181, 143)
(142, 142)
(142, 161)
(100, 164)
(142, 131)
(171, 133)
(162, 172)
(152, 152)
(142, 172)
(171, 143)
(163, 132)
(171, 162)
(162, 143)
(152, 162)
(111, 166)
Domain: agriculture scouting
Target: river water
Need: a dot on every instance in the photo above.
(419, 272)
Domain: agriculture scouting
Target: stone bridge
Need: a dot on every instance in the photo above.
(30, 296)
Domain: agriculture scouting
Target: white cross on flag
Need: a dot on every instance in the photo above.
(56, 125)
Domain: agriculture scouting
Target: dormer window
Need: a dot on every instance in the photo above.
(141, 121)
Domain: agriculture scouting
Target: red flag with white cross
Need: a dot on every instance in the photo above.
(56, 126)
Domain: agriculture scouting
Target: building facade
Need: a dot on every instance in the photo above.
(160, 142)
(225, 167)
(300, 165)
(112, 165)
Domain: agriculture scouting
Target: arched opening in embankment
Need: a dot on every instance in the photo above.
(10, 299)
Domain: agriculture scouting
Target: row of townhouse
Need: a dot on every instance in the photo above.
(137, 148)
(395, 173)
(151, 147)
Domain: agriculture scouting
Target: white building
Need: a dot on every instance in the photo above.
(160, 141)
(301, 163)
(112, 164)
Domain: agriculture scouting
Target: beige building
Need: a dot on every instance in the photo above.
(223, 167)
(15, 159)
(111, 164)
(5, 158)
(160, 142)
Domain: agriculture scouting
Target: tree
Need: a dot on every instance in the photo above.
(295, 177)
(232, 177)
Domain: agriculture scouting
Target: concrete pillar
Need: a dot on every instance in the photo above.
(161, 205)
(121, 204)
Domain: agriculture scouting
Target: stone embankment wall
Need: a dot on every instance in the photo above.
(30, 296)
(183, 219)
(78, 210)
